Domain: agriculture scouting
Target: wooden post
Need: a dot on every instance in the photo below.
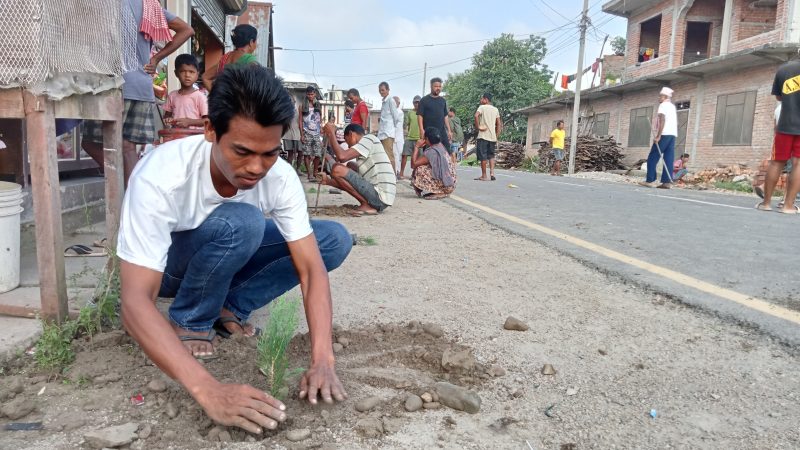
(113, 167)
(41, 131)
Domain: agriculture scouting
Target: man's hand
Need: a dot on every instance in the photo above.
(181, 123)
(321, 380)
(241, 406)
(303, 138)
(151, 66)
(657, 139)
(420, 143)
(329, 129)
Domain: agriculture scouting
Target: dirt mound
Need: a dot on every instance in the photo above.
(380, 366)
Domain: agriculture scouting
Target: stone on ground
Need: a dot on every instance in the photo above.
(413, 403)
(457, 397)
(300, 434)
(367, 404)
(17, 408)
(157, 385)
(369, 427)
(514, 324)
(458, 360)
(112, 437)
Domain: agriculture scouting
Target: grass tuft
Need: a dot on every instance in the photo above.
(731, 186)
(367, 240)
(273, 342)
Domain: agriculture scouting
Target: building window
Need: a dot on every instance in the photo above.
(734, 120)
(698, 42)
(640, 126)
(600, 126)
(649, 38)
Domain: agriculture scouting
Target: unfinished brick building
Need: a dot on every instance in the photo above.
(719, 56)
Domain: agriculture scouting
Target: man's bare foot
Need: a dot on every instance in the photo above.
(235, 326)
(200, 344)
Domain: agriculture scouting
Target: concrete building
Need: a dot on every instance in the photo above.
(719, 56)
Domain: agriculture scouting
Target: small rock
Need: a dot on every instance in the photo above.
(171, 410)
(16, 386)
(157, 385)
(458, 398)
(107, 378)
(300, 434)
(547, 369)
(249, 439)
(427, 397)
(224, 436)
(458, 360)
(449, 421)
(514, 324)
(413, 403)
(715, 396)
(432, 405)
(111, 437)
(496, 371)
(145, 432)
(518, 393)
(433, 329)
(337, 347)
(213, 434)
(344, 341)
(369, 427)
(171, 435)
(571, 392)
(367, 404)
(602, 352)
(392, 425)
(405, 384)
(17, 408)
(434, 396)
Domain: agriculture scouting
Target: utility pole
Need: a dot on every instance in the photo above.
(424, 76)
(576, 106)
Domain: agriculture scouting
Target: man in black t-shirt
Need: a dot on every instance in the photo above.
(432, 112)
(786, 146)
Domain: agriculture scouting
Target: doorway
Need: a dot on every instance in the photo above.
(698, 42)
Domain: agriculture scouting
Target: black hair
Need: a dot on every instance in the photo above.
(186, 59)
(384, 84)
(487, 96)
(354, 128)
(559, 122)
(685, 155)
(436, 80)
(452, 110)
(349, 104)
(243, 34)
(433, 135)
(310, 88)
(353, 91)
(250, 91)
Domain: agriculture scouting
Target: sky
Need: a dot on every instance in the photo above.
(333, 29)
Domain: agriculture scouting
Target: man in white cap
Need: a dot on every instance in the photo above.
(666, 132)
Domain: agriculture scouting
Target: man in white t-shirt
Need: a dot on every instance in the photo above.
(220, 223)
(666, 132)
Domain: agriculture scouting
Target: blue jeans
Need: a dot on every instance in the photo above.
(237, 260)
(667, 144)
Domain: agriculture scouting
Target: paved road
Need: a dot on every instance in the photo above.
(716, 239)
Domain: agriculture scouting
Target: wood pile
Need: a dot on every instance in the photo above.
(593, 154)
(734, 173)
(509, 155)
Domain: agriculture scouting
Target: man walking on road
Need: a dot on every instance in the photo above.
(432, 112)
(457, 131)
(557, 138)
(389, 117)
(411, 130)
(666, 132)
(786, 89)
(489, 126)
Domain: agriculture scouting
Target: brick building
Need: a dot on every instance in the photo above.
(719, 56)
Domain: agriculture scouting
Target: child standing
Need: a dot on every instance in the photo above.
(186, 107)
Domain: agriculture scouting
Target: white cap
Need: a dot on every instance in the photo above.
(667, 91)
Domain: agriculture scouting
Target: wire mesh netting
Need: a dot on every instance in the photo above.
(43, 40)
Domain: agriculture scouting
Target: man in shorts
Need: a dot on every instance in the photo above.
(311, 116)
(370, 178)
(291, 140)
(138, 116)
(557, 142)
(489, 126)
(411, 130)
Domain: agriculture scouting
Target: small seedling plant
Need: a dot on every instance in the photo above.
(273, 361)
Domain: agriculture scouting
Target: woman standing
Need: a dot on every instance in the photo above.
(243, 38)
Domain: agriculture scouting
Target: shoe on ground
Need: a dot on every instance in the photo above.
(646, 184)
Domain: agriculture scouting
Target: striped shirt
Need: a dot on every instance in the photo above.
(374, 166)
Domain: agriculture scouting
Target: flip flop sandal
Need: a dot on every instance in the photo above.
(762, 207)
(207, 338)
(480, 179)
(82, 250)
(493, 178)
(795, 210)
(219, 326)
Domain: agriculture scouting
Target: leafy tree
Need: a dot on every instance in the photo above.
(618, 44)
(512, 71)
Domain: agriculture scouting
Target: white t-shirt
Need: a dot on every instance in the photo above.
(670, 118)
(171, 190)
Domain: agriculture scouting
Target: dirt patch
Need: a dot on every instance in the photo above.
(380, 366)
(332, 210)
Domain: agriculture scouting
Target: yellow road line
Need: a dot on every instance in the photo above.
(737, 297)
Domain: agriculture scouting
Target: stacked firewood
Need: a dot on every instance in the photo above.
(593, 154)
(510, 155)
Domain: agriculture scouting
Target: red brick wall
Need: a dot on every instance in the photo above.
(707, 155)
(634, 68)
(748, 22)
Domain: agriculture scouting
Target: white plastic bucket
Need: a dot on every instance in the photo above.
(10, 210)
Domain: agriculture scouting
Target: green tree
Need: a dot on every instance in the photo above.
(512, 71)
(618, 44)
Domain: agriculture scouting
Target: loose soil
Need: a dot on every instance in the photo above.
(616, 353)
